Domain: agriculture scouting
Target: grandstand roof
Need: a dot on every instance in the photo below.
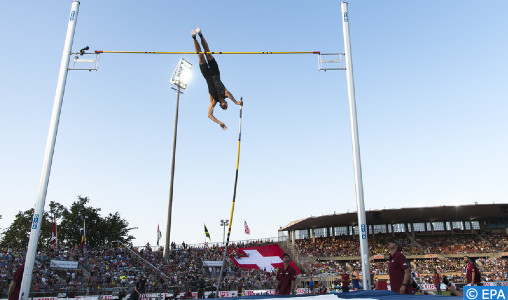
(405, 215)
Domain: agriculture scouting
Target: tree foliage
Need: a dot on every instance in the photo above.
(99, 231)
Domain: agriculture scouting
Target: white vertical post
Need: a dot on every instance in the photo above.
(48, 156)
(362, 222)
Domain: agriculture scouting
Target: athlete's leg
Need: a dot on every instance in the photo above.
(205, 44)
(197, 47)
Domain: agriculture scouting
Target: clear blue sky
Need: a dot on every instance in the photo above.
(431, 95)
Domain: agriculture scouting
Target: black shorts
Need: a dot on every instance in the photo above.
(210, 69)
(212, 76)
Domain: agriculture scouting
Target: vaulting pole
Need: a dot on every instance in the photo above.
(232, 205)
(362, 220)
(48, 156)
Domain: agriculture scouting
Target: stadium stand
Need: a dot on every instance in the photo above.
(321, 253)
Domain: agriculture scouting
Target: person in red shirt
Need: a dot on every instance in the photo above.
(188, 294)
(15, 286)
(398, 269)
(286, 278)
(437, 281)
(345, 281)
(473, 276)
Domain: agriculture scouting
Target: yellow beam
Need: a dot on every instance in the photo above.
(220, 52)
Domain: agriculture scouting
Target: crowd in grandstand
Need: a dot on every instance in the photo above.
(118, 268)
(449, 244)
(104, 270)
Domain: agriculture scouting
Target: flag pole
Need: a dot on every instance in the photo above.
(56, 236)
(233, 203)
(84, 233)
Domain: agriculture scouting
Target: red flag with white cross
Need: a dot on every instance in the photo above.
(268, 258)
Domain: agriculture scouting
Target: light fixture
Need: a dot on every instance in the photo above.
(182, 74)
(180, 78)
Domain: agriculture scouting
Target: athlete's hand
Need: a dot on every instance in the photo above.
(223, 126)
(240, 103)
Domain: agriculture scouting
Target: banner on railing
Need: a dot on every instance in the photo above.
(63, 264)
(212, 263)
(162, 296)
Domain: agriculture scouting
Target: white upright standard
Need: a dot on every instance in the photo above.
(48, 156)
(362, 220)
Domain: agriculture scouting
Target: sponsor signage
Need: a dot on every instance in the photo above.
(63, 264)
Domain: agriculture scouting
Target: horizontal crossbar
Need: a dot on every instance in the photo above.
(220, 52)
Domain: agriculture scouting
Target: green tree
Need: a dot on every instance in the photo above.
(116, 229)
(18, 234)
(56, 210)
(99, 231)
(80, 214)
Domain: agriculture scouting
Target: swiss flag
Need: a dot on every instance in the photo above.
(267, 258)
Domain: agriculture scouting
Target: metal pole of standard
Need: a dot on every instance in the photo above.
(48, 156)
(223, 233)
(232, 205)
(362, 220)
(170, 205)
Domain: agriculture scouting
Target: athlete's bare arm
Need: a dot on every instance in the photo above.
(230, 96)
(211, 106)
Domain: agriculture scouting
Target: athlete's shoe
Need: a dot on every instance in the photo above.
(193, 33)
(198, 31)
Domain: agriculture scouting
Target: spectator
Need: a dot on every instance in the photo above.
(399, 270)
(286, 277)
(15, 285)
(437, 281)
(473, 276)
(345, 281)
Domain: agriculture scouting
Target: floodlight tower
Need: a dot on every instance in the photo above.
(224, 223)
(180, 79)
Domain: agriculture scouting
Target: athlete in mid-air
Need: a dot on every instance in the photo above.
(210, 70)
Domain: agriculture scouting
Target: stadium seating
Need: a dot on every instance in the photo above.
(115, 269)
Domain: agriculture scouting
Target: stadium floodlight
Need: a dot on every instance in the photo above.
(182, 74)
(180, 78)
(224, 223)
